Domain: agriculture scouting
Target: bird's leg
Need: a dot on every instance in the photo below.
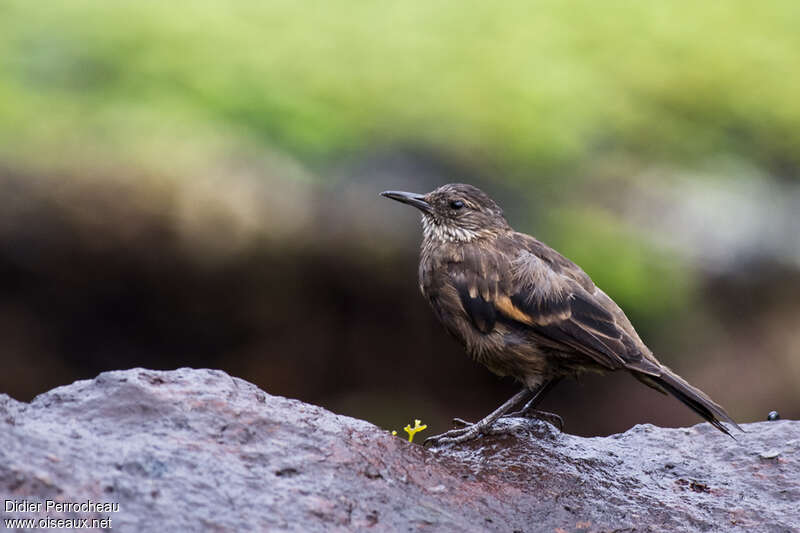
(515, 400)
(519, 399)
(473, 430)
(530, 411)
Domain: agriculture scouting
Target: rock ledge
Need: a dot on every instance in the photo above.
(191, 450)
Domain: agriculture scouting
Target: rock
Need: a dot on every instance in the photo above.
(191, 450)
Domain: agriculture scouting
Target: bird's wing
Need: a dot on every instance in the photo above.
(554, 298)
(477, 280)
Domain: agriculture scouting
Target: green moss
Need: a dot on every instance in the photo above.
(534, 85)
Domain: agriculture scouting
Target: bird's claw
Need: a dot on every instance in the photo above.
(456, 436)
(461, 422)
(552, 418)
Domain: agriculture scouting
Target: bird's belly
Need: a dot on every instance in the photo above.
(506, 352)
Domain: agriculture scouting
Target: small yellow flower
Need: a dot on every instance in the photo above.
(394, 433)
(416, 429)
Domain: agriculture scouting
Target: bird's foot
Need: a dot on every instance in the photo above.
(457, 436)
(469, 431)
(552, 418)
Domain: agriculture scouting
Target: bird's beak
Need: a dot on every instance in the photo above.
(410, 198)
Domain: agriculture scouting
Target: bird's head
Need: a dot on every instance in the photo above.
(455, 212)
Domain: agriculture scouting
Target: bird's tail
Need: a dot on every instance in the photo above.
(692, 397)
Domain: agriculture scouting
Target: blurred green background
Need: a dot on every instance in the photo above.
(195, 184)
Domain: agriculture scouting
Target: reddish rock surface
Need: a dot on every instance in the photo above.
(192, 450)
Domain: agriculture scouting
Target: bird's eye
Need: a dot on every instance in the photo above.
(456, 204)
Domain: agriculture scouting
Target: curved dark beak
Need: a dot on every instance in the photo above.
(410, 198)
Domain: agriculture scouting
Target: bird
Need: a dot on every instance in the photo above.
(524, 310)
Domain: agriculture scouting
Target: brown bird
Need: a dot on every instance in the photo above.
(524, 310)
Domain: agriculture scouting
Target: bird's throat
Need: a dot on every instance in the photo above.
(433, 230)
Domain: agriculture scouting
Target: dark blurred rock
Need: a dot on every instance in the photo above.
(191, 450)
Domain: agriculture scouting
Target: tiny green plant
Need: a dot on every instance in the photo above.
(418, 426)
